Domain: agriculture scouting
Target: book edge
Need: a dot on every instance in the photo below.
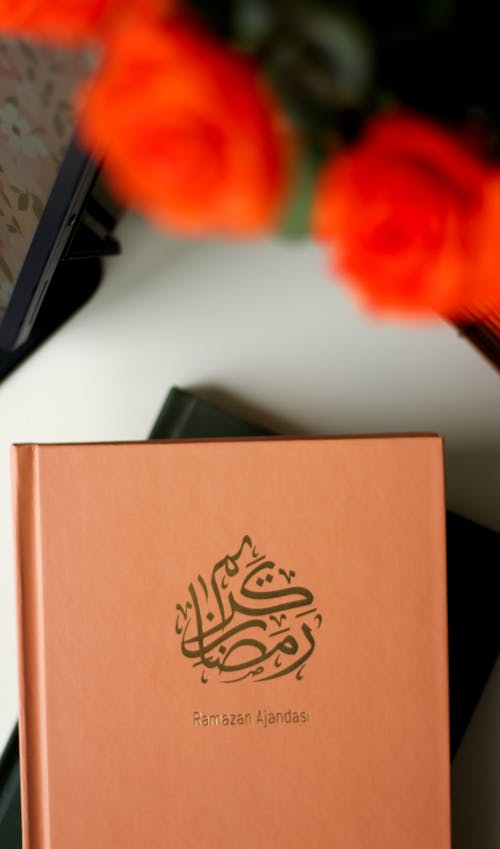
(443, 640)
(30, 629)
(147, 443)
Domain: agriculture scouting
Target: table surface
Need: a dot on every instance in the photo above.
(263, 324)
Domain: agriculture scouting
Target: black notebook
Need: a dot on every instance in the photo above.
(474, 632)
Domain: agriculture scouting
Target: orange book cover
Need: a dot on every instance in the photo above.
(233, 644)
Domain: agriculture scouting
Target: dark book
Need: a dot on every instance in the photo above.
(10, 795)
(474, 634)
(186, 416)
(473, 554)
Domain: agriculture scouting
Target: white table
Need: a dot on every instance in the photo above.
(261, 322)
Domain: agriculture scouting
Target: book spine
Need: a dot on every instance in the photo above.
(31, 638)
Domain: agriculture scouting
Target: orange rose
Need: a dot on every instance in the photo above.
(411, 217)
(186, 133)
(71, 22)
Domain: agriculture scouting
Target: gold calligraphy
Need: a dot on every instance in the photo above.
(251, 620)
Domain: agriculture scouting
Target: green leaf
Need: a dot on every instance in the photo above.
(28, 51)
(296, 220)
(6, 270)
(58, 124)
(253, 21)
(37, 205)
(323, 58)
(23, 201)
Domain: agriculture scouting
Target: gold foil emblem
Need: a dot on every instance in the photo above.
(251, 619)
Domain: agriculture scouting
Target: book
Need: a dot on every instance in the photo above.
(10, 798)
(233, 642)
(472, 553)
(185, 415)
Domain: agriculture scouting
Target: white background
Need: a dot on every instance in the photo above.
(263, 325)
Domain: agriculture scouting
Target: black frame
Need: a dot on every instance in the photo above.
(56, 226)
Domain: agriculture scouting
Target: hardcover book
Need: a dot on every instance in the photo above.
(229, 644)
(10, 799)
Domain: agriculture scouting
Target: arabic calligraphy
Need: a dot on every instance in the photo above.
(250, 621)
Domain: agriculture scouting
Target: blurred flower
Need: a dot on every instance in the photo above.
(486, 262)
(73, 21)
(186, 132)
(411, 217)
